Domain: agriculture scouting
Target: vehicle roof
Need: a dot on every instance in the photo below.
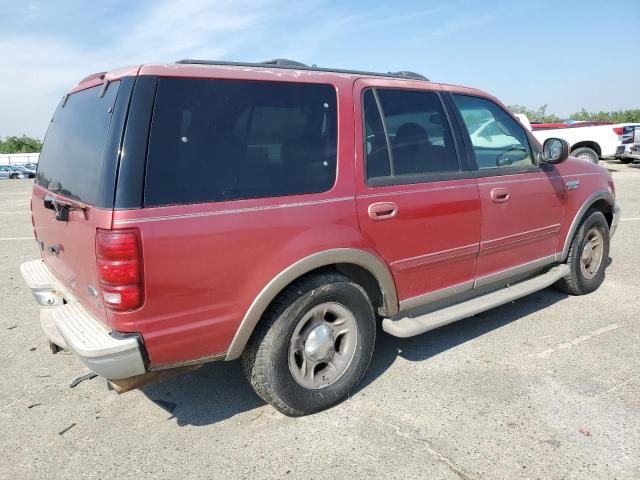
(246, 71)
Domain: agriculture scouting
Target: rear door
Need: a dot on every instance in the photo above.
(74, 186)
(416, 204)
(522, 202)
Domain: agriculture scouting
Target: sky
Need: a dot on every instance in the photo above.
(568, 54)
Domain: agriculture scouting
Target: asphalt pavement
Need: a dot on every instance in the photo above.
(547, 387)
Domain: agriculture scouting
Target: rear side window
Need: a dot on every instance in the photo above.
(407, 134)
(71, 159)
(217, 140)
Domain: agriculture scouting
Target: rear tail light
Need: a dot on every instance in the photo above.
(625, 134)
(119, 261)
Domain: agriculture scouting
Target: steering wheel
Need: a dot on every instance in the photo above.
(504, 159)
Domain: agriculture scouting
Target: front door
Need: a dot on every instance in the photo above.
(522, 202)
(415, 206)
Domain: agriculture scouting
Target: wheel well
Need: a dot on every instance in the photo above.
(606, 209)
(591, 145)
(356, 273)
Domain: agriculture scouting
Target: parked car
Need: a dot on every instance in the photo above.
(588, 143)
(325, 201)
(26, 172)
(9, 171)
(629, 150)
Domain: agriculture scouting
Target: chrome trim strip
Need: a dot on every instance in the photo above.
(435, 257)
(426, 298)
(229, 212)
(521, 237)
(514, 271)
(600, 195)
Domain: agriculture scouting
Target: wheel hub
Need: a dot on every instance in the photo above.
(322, 345)
(592, 253)
(587, 252)
(319, 344)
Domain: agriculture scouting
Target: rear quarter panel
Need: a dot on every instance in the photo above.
(204, 264)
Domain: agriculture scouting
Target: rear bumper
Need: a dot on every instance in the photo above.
(66, 323)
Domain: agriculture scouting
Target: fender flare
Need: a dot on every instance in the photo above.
(600, 195)
(362, 258)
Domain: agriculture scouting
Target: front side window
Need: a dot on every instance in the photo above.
(498, 141)
(217, 140)
(407, 135)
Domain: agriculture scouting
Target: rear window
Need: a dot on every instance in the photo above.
(71, 159)
(217, 140)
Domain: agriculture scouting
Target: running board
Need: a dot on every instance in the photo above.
(410, 326)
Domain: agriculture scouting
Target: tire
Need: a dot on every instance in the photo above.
(582, 279)
(625, 160)
(14, 176)
(586, 153)
(277, 358)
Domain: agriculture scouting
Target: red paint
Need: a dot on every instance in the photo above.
(203, 265)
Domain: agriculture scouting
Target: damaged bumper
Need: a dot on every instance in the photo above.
(67, 323)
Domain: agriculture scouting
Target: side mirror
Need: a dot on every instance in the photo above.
(555, 150)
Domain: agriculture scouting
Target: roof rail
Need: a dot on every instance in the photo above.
(285, 62)
(293, 65)
(409, 74)
(99, 75)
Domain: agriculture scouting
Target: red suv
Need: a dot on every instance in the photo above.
(276, 213)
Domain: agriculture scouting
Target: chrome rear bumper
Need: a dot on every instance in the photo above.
(67, 323)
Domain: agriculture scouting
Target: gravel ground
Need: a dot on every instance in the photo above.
(545, 387)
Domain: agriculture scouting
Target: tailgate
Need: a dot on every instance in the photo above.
(68, 247)
(76, 177)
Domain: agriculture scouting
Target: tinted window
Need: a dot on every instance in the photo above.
(216, 140)
(498, 140)
(71, 159)
(418, 135)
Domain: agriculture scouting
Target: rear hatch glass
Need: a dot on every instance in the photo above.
(70, 169)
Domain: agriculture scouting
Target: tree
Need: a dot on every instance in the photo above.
(539, 115)
(21, 144)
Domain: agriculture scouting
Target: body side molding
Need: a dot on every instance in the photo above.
(600, 195)
(325, 258)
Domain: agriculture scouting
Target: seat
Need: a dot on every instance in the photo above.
(411, 147)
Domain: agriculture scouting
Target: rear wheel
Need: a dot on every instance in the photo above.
(586, 153)
(313, 345)
(588, 256)
(14, 176)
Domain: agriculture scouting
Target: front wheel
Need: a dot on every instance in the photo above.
(588, 256)
(313, 345)
(586, 153)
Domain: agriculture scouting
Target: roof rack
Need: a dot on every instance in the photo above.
(292, 64)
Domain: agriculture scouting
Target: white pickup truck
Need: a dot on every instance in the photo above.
(587, 143)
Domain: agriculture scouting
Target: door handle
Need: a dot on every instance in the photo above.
(383, 210)
(500, 195)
